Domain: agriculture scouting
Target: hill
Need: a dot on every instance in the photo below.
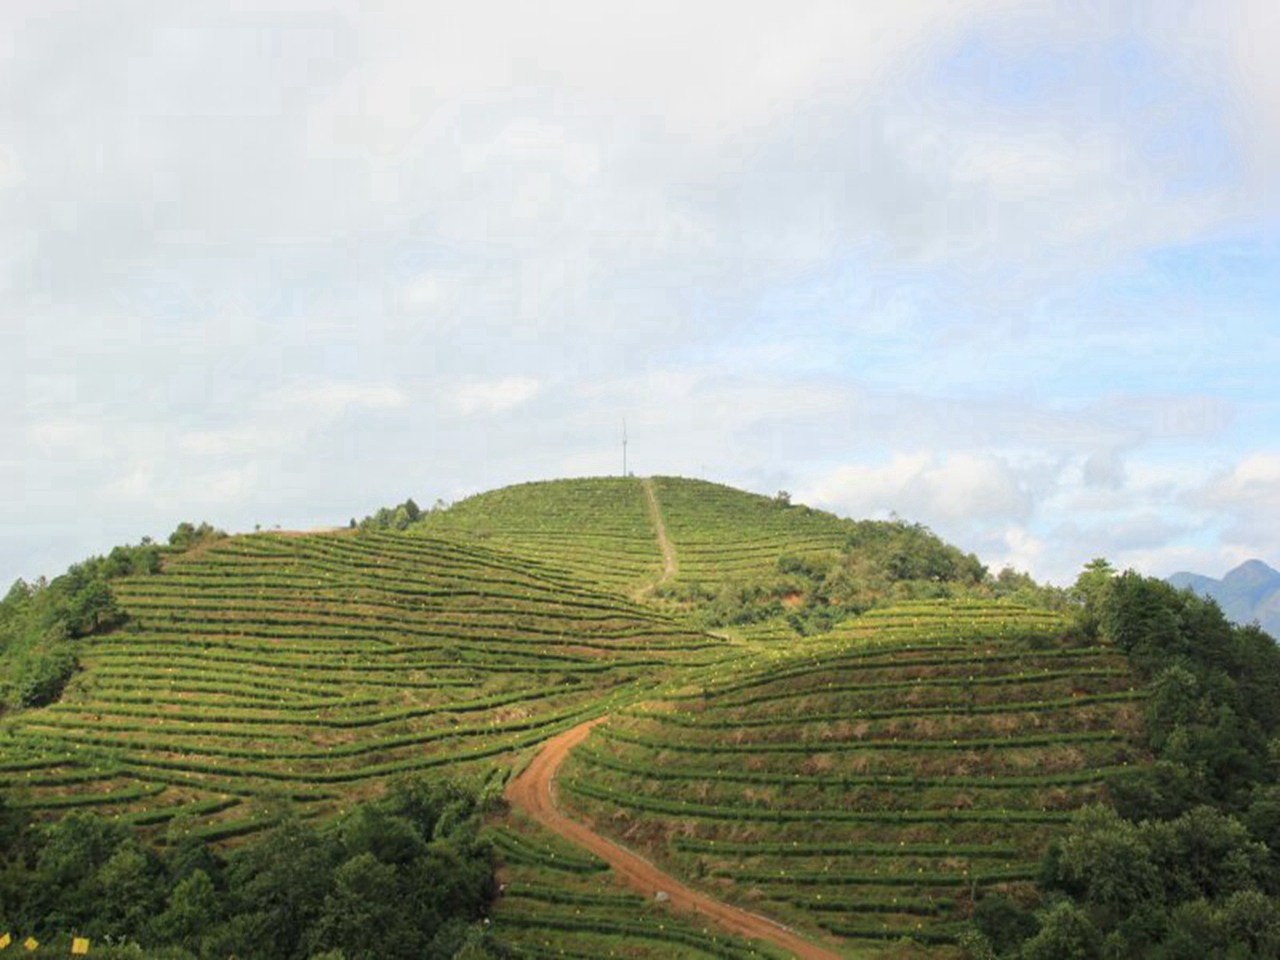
(309, 667)
(725, 557)
(844, 726)
(606, 528)
(869, 790)
(1248, 593)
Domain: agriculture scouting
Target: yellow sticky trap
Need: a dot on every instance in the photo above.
(79, 944)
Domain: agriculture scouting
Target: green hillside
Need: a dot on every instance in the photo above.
(600, 530)
(868, 786)
(313, 667)
(723, 535)
(846, 727)
(560, 901)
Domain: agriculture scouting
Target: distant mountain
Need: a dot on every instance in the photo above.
(1249, 592)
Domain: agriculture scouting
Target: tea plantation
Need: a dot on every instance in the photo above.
(847, 730)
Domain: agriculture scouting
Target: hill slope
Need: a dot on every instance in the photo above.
(311, 666)
(858, 784)
(857, 788)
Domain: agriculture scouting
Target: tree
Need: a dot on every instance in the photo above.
(1066, 933)
(187, 535)
(365, 913)
(1106, 862)
(42, 675)
(132, 886)
(193, 909)
(1004, 922)
(1089, 591)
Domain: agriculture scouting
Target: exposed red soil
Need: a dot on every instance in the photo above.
(533, 793)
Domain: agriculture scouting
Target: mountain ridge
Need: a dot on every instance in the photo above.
(1247, 592)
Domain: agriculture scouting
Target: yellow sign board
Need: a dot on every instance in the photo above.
(79, 944)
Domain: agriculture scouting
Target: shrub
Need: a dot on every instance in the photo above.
(1066, 933)
(42, 675)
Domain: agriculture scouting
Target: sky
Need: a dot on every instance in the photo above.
(1007, 269)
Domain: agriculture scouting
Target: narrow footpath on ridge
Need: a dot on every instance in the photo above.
(533, 793)
(660, 529)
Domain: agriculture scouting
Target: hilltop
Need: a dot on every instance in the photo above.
(735, 558)
(1248, 593)
(850, 727)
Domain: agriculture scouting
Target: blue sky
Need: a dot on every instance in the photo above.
(1010, 269)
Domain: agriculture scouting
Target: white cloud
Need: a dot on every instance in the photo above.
(333, 398)
(233, 441)
(921, 486)
(1247, 496)
(10, 168)
(65, 436)
(492, 396)
(772, 237)
(136, 485)
(1022, 550)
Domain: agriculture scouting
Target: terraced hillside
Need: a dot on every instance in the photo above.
(560, 901)
(857, 785)
(866, 787)
(311, 668)
(604, 529)
(721, 534)
(600, 529)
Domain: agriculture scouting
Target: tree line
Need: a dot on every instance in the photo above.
(405, 876)
(1185, 860)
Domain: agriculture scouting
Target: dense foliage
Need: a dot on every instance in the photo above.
(879, 562)
(1187, 861)
(404, 876)
(400, 517)
(39, 621)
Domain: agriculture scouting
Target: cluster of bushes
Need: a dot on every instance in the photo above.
(880, 562)
(1186, 862)
(1199, 885)
(40, 620)
(400, 517)
(404, 876)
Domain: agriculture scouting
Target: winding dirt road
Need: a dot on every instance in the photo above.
(532, 792)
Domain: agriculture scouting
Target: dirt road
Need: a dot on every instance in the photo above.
(660, 528)
(533, 793)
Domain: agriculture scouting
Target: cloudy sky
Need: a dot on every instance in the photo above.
(1011, 269)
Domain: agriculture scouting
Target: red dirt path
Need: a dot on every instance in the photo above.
(532, 793)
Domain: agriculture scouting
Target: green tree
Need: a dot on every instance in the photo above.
(193, 908)
(1089, 591)
(1252, 920)
(40, 676)
(131, 887)
(365, 914)
(1106, 862)
(1066, 933)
